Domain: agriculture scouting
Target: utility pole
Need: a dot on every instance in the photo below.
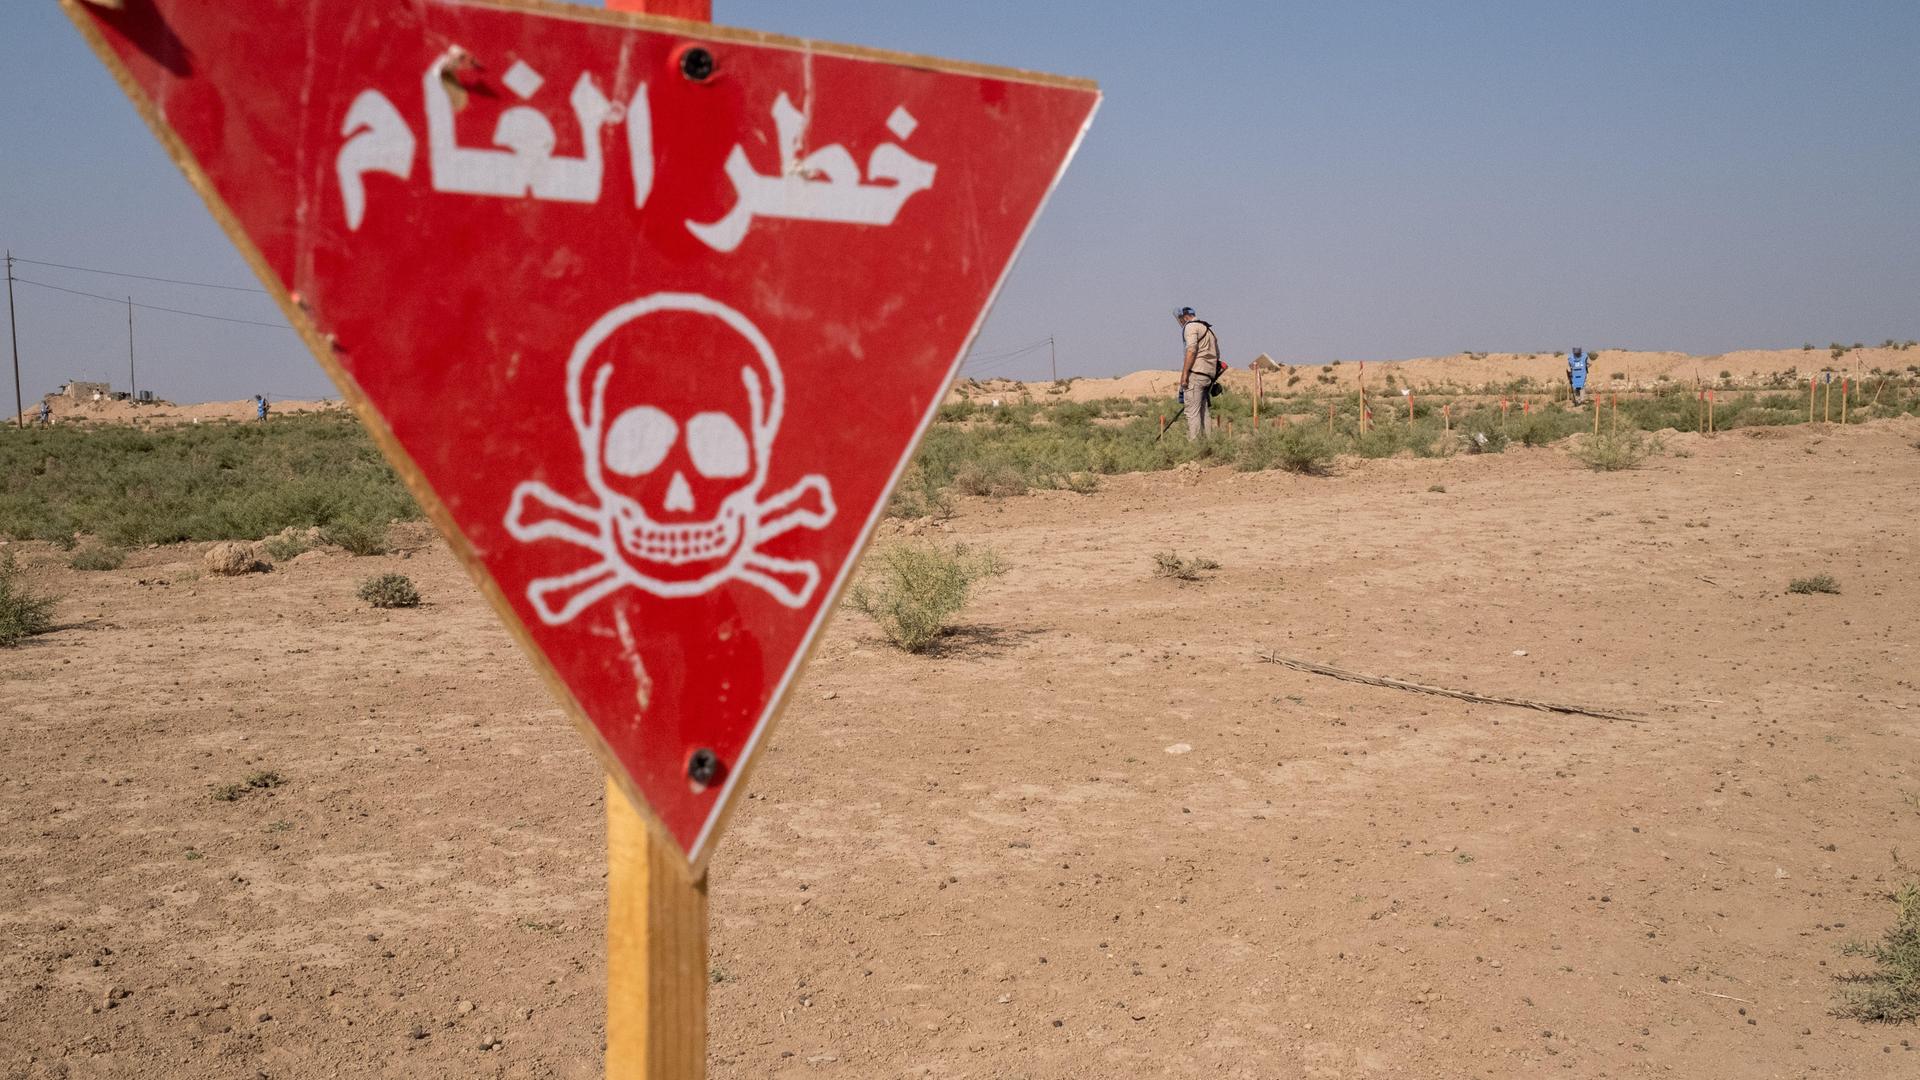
(1053, 360)
(13, 327)
(133, 385)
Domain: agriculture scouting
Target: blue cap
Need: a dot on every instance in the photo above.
(1178, 312)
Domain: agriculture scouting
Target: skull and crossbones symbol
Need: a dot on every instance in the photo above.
(676, 399)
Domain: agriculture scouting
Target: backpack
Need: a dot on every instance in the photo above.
(1214, 389)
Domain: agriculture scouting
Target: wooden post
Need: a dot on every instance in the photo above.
(1257, 383)
(1616, 414)
(1709, 412)
(1813, 381)
(1844, 386)
(656, 953)
(1596, 415)
(1503, 416)
(656, 913)
(1700, 425)
(1409, 406)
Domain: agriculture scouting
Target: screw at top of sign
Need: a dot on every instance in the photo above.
(697, 64)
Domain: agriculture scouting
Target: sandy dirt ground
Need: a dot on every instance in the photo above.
(1474, 372)
(1094, 835)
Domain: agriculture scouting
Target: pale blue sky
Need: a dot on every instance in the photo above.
(1326, 180)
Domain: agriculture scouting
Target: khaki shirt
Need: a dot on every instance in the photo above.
(1206, 349)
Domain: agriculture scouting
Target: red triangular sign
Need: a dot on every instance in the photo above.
(650, 314)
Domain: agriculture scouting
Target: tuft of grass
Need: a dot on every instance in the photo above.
(389, 591)
(259, 781)
(917, 589)
(22, 613)
(1818, 583)
(357, 537)
(1438, 489)
(1890, 994)
(1610, 451)
(1169, 564)
(97, 556)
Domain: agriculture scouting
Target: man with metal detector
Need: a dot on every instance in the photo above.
(1199, 370)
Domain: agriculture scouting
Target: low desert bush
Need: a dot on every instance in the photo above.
(286, 544)
(22, 613)
(97, 556)
(1610, 451)
(1298, 449)
(390, 591)
(1890, 994)
(1169, 564)
(917, 589)
(1818, 583)
(358, 537)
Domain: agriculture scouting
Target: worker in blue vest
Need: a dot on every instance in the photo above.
(46, 412)
(260, 406)
(1577, 374)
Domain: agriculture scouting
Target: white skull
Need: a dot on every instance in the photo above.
(676, 400)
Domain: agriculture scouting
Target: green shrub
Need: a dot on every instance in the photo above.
(357, 537)
(917, 589)
(1818, 583)
(286, 544)
(1299, 448)
(1610, 451)
(389, 591)
(22, 613)
(97, 556)
(1891, 993)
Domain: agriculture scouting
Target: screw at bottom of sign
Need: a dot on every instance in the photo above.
(703, 766)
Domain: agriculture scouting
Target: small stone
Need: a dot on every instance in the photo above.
(1179, 748)
(829, 695)
(261, 1016)
(464, 1007)
(417, 1032)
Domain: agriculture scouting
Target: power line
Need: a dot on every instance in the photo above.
(1018, 351)
(142, 277)
(120, 300)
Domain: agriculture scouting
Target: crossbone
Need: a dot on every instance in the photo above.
(666, 428)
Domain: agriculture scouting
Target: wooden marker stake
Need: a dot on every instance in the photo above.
(1709, 412)
(1596, 414)
(1616, 414)
(656, 953)
(1844, 386)
(1826, 405)
(1813, 381)
(656, 914)
(1257, 384)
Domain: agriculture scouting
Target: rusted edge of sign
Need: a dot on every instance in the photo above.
(429, 500)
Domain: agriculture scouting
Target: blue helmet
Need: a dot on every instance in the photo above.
(1184, 312)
